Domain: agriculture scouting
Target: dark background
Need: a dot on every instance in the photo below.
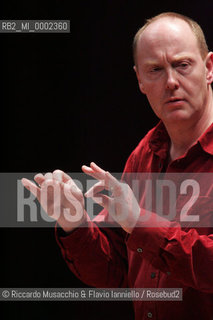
(68, 99)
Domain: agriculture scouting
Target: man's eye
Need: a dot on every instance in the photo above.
(155, 69)
(183, 65)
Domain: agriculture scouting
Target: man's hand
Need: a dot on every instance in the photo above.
(60, 198)
(121, 205)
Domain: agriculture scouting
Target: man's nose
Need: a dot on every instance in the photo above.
(172, 81)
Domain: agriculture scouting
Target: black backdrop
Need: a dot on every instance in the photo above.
(68, 99)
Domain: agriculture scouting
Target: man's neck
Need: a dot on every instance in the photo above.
(184, 135)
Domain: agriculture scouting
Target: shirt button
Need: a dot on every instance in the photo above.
(153, 275)
(139, 250)
(149, 315)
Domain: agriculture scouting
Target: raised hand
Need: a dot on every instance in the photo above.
(60, 198)
(121, 205)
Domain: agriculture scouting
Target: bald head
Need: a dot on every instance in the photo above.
(173, 34)
(159, 23)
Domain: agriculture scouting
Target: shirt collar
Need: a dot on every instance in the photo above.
(159, 141)
(206, 140)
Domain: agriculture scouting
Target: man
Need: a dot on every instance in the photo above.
(175, 71)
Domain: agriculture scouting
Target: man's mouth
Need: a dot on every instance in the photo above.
(174, 100)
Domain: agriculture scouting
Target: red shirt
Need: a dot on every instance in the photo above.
(164, 257)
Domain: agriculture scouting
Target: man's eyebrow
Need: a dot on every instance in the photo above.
(151, 62)
(178, 58)
(182, 57)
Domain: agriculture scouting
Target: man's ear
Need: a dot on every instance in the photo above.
(140, 84)
(209, 67)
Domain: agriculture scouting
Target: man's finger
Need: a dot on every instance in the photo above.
(48, 176)
(72, 191)
(61, 176)
(98, 187)
(103, 200)
(29, 185)
(110, 180)
(96, 168)
(39, 178)
(92, 173)
(113, 184)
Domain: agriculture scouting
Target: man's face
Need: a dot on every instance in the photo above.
(171, 71)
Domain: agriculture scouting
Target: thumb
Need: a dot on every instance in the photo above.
(104, 201)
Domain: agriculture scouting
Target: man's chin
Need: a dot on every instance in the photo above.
(177, 116)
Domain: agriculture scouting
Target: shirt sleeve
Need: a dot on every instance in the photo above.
(187, 255)
(97, 254)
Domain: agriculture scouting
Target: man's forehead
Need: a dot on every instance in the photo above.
(172, 37)
(166, 28)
